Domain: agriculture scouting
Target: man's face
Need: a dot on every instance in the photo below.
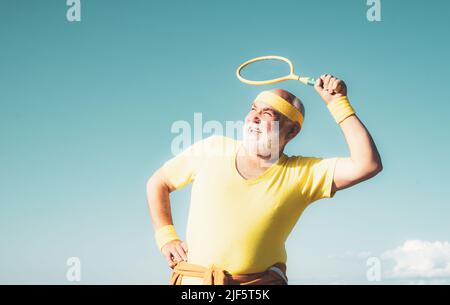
(262, 130)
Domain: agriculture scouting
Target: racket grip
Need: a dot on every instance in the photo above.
(311, 81)
(308, 81)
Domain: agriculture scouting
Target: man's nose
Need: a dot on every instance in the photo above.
(255, 118)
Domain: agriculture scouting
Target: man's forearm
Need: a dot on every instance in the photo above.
(159, 202)
(167, 239)
(363, 151)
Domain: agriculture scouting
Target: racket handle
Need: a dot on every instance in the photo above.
(308, 81)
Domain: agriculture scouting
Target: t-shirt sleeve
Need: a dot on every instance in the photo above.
(316, 177)
(183, 168)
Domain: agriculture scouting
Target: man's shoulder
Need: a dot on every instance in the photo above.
(218, 145)
(220, 139)
(301, 160)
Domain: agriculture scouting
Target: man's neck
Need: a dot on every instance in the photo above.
(258, 160)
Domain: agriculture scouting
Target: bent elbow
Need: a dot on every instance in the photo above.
(149, 181)
(378, 167)
(152, 183)
(369, 171)
(158, 182)
(375, 169)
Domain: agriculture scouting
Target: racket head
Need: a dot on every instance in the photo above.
(289, 76)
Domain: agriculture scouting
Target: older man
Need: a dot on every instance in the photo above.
(248, 195)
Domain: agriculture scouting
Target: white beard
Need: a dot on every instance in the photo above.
(258, 142)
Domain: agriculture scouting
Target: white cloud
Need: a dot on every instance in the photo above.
(417, 259)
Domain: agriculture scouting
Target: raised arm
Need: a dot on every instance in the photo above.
(364, 161)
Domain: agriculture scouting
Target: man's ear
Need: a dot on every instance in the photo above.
(293, 131)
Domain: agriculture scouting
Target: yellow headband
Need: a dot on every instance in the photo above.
(281, 105)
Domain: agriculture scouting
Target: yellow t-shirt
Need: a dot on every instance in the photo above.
(239, 224)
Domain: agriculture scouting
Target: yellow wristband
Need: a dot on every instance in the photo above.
(164, 235)
(340, 109)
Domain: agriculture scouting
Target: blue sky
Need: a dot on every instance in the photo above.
(87, 108)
